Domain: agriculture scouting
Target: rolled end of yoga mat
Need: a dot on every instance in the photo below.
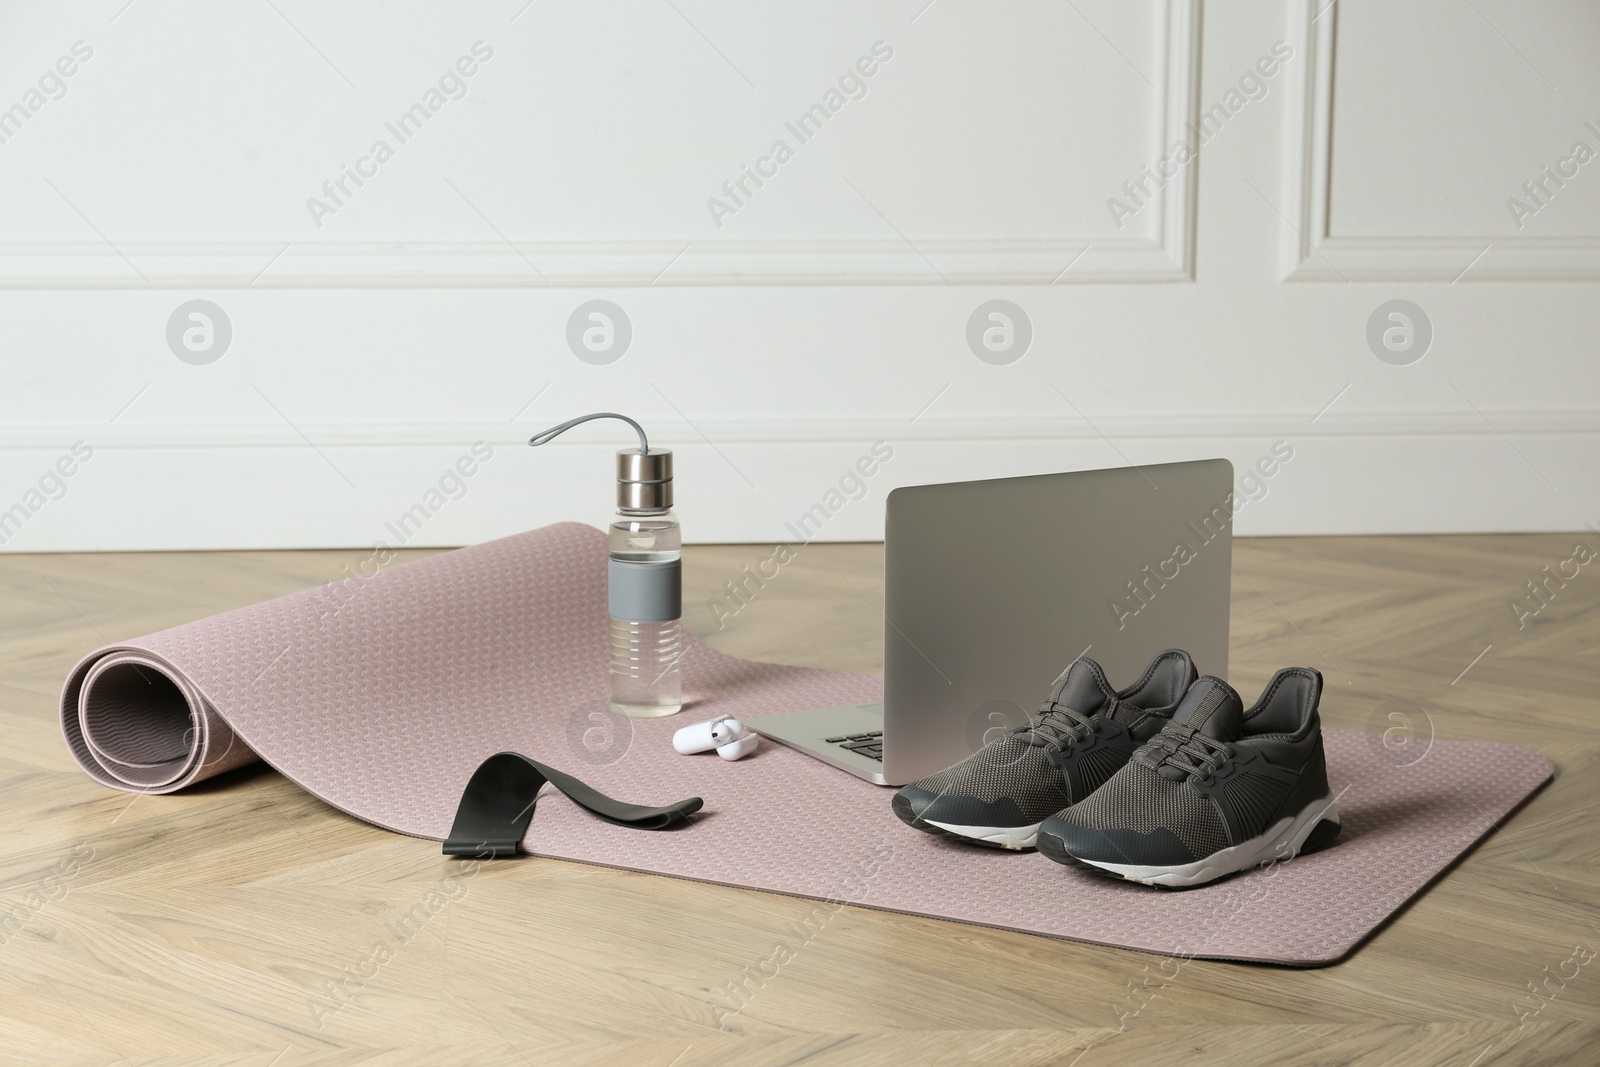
(382, 692)
(135, 721)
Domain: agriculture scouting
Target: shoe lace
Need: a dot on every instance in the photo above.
(1190, 751)
(1059, 725)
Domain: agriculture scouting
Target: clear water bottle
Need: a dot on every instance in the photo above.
(646, 606)
(644, 580)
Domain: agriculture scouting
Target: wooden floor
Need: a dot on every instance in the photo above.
(244, 922)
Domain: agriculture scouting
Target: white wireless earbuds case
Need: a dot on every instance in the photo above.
(727, 735)
(705, 736)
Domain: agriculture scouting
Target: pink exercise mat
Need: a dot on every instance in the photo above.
(382, 694)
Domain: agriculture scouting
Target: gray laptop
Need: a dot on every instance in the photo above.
(992, 587)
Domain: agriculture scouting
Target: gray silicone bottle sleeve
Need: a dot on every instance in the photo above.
(645, 592)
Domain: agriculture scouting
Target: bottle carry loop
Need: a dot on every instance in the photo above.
(556, 431)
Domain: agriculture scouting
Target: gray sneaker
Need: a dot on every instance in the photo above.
(1219, 790)
(1082, 735)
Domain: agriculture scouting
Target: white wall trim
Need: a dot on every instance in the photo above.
(527, 264)
(1289, 425)
(1311, 253)
(597, 264)
(1181, 98)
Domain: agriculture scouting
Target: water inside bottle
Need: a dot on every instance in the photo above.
(646, 657)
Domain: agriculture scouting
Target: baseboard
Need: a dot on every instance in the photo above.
(243, 487)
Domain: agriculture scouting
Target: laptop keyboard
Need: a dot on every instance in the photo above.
(868, 745)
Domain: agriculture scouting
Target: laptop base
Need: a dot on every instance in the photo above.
(841, 737)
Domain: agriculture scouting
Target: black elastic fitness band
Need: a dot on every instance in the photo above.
(498, 804)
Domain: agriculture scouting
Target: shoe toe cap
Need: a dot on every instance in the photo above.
(911, 801)
(917, 806)
(1158, 848)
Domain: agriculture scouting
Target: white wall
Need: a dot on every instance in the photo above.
(374, 338)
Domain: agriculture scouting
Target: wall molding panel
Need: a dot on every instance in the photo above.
(1310, 252)
(1169, 257)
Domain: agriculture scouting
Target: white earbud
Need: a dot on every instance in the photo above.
(725, 734)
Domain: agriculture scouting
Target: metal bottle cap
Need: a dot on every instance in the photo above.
(644, 479)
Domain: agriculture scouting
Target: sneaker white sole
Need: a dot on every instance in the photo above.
(1012, 837)
(1282, 841)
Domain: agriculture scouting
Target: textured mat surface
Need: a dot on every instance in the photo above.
(381, 695)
